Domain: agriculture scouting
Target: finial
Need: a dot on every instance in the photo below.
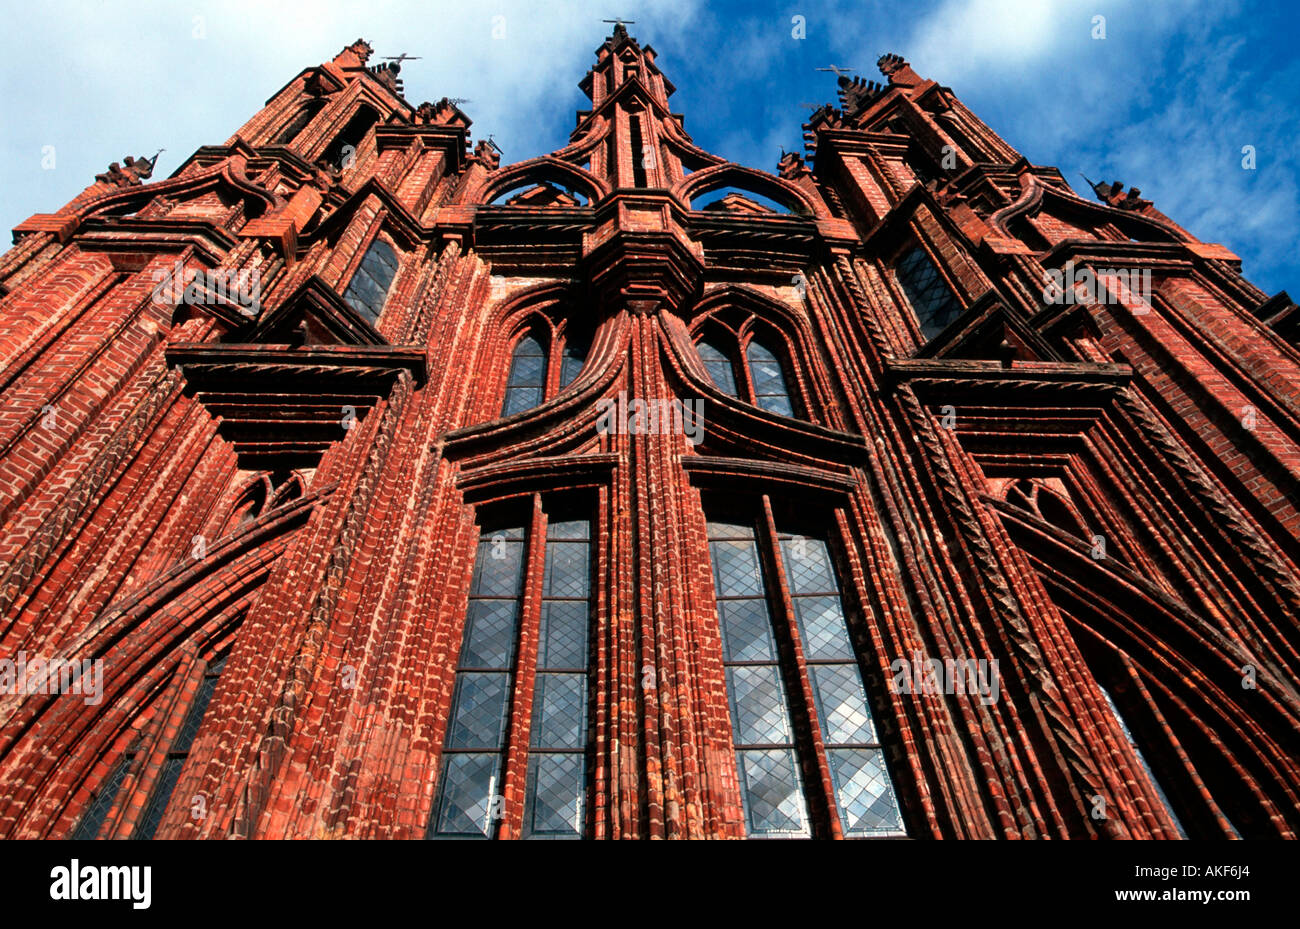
(888, 63)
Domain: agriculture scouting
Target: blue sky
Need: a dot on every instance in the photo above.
(1165, 102)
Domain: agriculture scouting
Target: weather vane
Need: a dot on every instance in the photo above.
(402, 57)
(620, 21)
(840, 70)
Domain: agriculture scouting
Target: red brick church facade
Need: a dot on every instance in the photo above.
(626, 492)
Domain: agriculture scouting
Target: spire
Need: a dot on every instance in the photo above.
(629, 100)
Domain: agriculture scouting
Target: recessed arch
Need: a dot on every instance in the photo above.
(542, 171)
(706, 180)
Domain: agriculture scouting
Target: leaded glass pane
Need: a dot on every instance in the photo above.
(171, 773)
(497, 567)
(528, 370)
(746, 630)
(758, 714)
(718, 366)
(368, 289)
(865, 796)
(563, 634)
(808, 566)
(380, 258)
(735, 568)
(529, 366)
(567, 570)
(772, 792)
(572, 360)
(841, 704)
(770, 391)
(933, 302)
(194, 718)
(519, 399)
(468, 786)
(559, 715)
(568, 529)
(821, 628)
(776, 403)
(479, 710)
(721, 530)
(556, 793)
(93, 819)
(526, 385)
(490, 634)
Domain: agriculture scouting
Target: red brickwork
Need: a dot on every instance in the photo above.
(1093, 493)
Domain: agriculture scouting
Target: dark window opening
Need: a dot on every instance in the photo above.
(934, 303)
(368, 289)
(299, 122)
(638, 152)
(349, 140)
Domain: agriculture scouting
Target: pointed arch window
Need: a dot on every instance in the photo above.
(932, 300)
(768, 380)
(527, 384)
(792, 670)
(522, 593)
(368, 290)
(760, 380)
(718, 365)
(537, 374)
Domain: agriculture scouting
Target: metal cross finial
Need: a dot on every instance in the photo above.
(840, 70)
(402, 57)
